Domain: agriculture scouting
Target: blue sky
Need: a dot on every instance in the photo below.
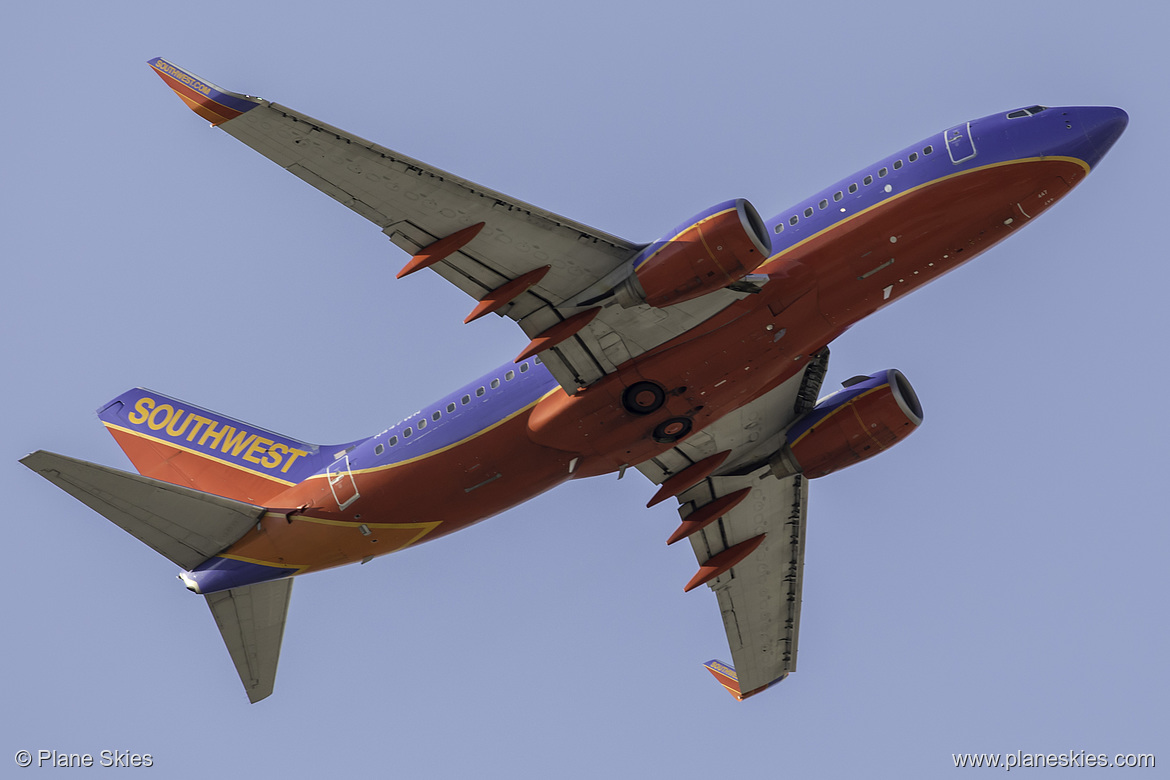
(996, 583)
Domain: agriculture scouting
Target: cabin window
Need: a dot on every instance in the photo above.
(913, 156)
(808, 212)
(379, 449)
(422, 423)
(883, 172)
(928, 150)
(393, 441)
(436, 416)
(495, 383)
(838, 195)
(508, 377)
(479, 391)
(897, 164)
(779, 228)
(451, 407)
(465, 400)
(537, 360)
(407, 432)
(523, 367)
(852, 188)
(793, 220)
(824, 204)
(867, 180)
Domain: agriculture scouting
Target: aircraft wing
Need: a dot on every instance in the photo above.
(759, 598)
(419, 206)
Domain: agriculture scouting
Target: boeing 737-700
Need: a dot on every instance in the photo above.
(696, 359)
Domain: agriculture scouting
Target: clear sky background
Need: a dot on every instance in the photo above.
(996, 583)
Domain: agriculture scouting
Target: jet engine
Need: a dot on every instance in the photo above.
(869, 415)
(714, 249)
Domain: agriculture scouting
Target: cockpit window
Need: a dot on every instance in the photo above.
(1029, 111)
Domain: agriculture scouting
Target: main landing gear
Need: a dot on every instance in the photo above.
(672, 430)
(643, 397)
(646, 397)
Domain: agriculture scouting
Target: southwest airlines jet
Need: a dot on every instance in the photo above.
(696, 359)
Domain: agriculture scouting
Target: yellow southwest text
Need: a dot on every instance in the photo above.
(217, 437)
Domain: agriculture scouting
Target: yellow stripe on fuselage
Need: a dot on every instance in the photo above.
(774, 258)
(453, 445)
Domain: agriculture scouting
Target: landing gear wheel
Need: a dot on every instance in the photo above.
(643, 398)
(673, 429)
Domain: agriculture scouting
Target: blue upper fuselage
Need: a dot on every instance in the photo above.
(457, 416)
(1081, 133)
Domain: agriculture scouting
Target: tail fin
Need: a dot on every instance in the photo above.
(179, 443)
(188, 527)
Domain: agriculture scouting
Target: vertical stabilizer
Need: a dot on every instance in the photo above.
(178, 442)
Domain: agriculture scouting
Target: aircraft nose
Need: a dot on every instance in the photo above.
(1097, 128)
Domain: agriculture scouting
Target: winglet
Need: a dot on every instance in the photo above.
(204, 98)
(725, 675)
(730, 680)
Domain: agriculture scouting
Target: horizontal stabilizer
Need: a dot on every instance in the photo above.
(187, 526)
(251, 620)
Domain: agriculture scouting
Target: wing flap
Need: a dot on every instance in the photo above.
(416, 204)
(251, 620)
(759, 598)
(184, 525)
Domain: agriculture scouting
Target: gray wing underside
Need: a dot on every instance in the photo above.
(251, 620)
(415, 204)
(759, 598)
(186, 526)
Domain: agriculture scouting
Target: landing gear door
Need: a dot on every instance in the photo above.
(960, 144)
(341, 482)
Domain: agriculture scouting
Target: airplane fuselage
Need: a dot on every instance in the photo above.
(837, 257)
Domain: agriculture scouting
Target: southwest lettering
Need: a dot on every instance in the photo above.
(211, 435)
(199, 423)
(294, 454)
(258, 447)
(179, 75)
(141, 410)
(155, 426)
(179, 415)
(214, 433)
(275, 455)
(237, 441)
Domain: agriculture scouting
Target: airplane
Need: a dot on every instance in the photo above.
(697, 359)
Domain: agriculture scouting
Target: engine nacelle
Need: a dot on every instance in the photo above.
(868, 416)
(719, 246)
